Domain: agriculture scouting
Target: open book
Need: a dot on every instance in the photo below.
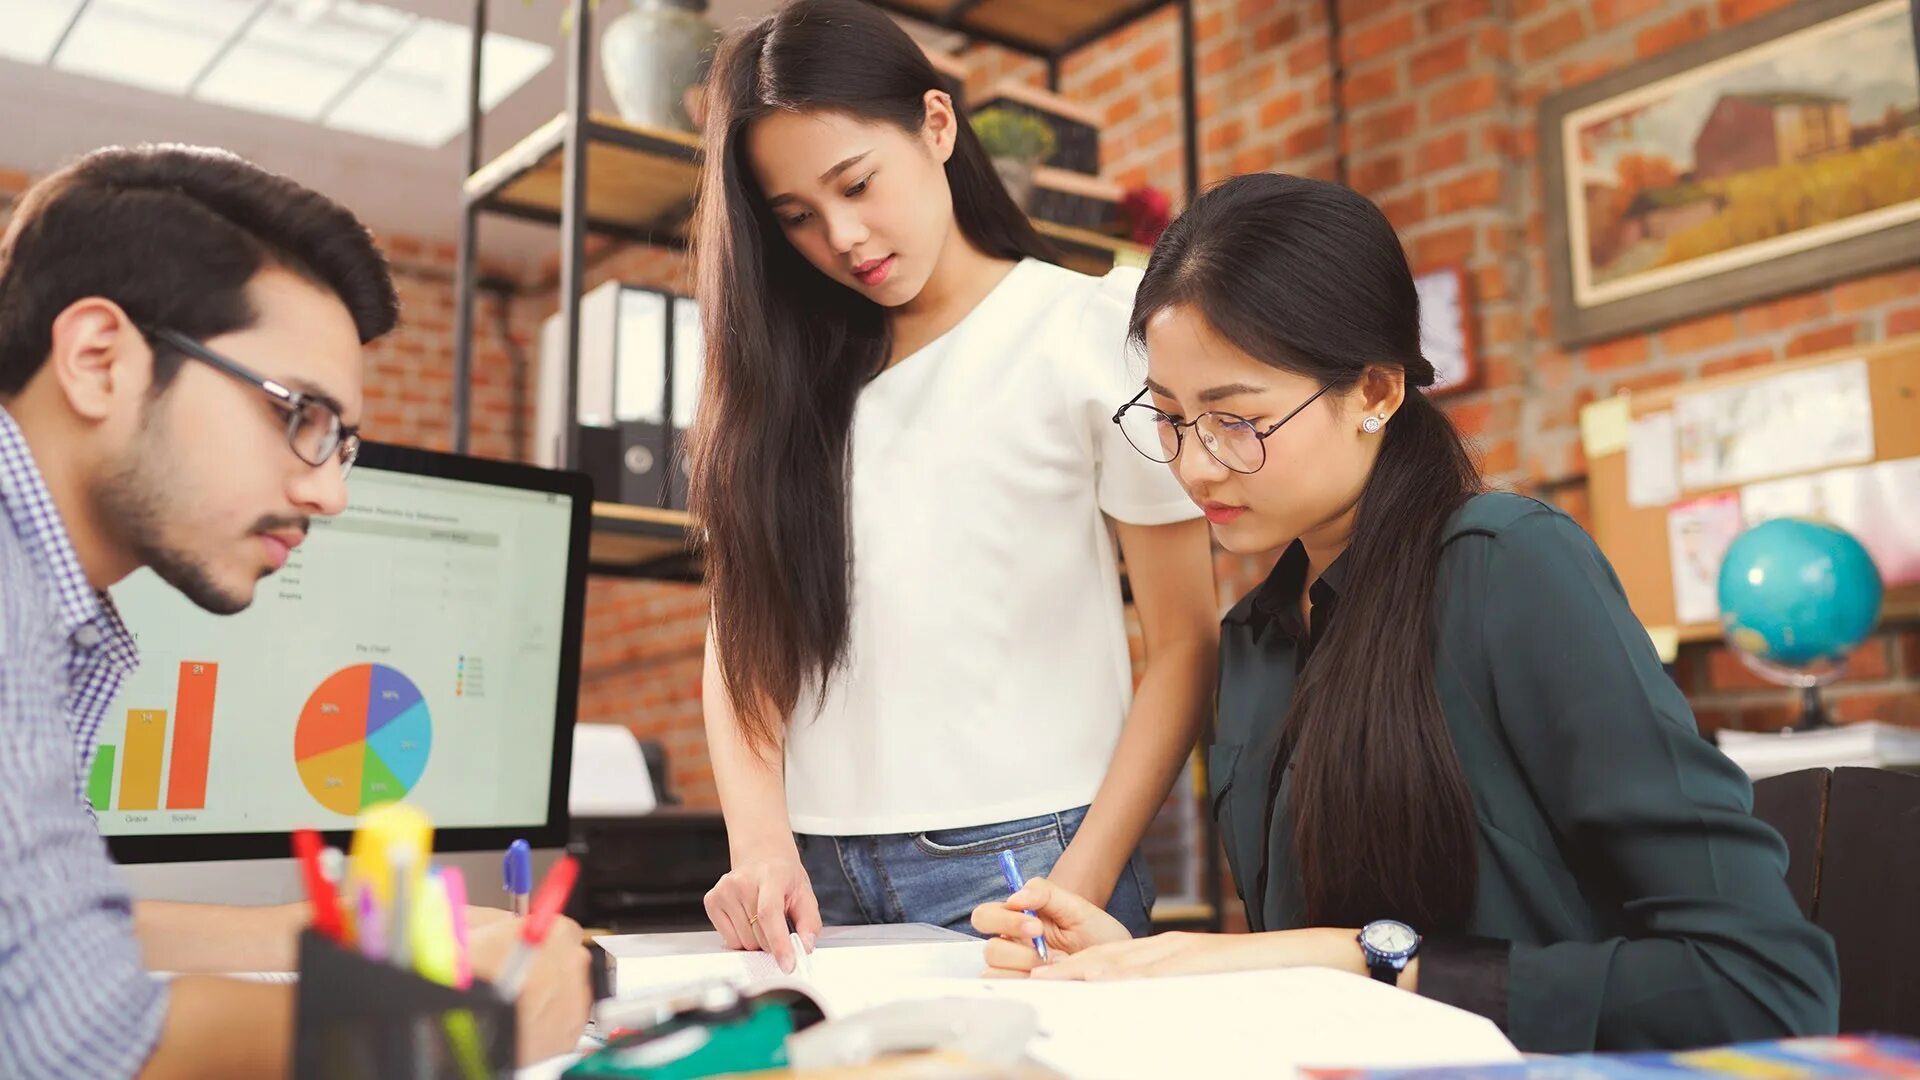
(1266, 1023)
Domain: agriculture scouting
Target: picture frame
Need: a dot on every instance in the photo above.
(1446, 328)
(1769, 158)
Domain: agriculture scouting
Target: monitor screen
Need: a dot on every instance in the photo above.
(422, 646)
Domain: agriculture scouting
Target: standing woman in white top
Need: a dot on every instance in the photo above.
(906, 472)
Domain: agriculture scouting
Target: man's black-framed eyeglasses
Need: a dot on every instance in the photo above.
(314, 429)
(1233, 441)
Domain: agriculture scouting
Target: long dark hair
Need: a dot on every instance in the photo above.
(1309, 277)
(789, 349)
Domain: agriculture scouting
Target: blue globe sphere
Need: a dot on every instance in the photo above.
(1796, 593)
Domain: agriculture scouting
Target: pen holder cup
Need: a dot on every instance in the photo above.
(359, 1018)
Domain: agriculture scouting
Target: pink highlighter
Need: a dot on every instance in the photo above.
(456, 885)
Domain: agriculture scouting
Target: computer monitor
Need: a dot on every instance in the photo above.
(422, 646)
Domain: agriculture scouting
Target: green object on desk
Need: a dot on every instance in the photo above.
(696, 1045)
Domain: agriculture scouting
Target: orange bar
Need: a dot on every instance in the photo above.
(192, 737)
(145, 743)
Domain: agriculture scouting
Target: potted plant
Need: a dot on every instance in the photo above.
(1016, 142)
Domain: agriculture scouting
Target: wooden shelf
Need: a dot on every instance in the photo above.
(1049, 28)
(641, 183)
(642, 542)
(640, 180)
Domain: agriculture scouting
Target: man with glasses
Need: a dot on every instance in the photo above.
(180, 389)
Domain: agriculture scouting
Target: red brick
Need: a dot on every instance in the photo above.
(1901, 707)
(1733, 12)
(1378, 174)
(1614, 355)
(1106, 83)
(1757, 358)
(1276, 33)
(1309, 139)
(1464, 98)
(1371, 85)
(1152, 57)
(1501, 457)
(1527, 9)
(1447, 14)
(1645, 383)
(1440, 61)
(1224, 136)
(1904, 321)
(1490, 285)
(1671, 34)
(1556, 35)
(1384, 127)
(1222, 57)
(1355, 12)
(1575, 72)
(1470, 417)
(1443, 246)
(1407, 211)
(1123, 109)
(1712, 720)
(1874, 291)
(1608, 14)
(1442, 153)
(1476, 189)
(1307, 56)
(1699, 334)
(1377, 39)
(1909, 649)
(1502, 328)
(1781, 314)
(1255, 159)
(1281, 109)
(1496, 43)
(1819, 341)
(1781, 712)
(1323, 91)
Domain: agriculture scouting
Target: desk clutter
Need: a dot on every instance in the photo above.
(686, 1007)
(1844, 1058)
(387, 987)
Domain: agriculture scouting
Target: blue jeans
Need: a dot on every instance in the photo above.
(939, 877)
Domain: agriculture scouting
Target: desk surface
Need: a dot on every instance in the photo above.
(933, 1066)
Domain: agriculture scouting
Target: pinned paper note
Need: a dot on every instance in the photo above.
(1698, 534)
(1666, 642)
(1653, 468)
(1603, 427)
(1789, 423)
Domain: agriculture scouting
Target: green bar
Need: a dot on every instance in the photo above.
(100, 781)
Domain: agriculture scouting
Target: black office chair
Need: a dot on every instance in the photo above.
(1853, 842)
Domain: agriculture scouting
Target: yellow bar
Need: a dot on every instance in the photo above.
(142, 749)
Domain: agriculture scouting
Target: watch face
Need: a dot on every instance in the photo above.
(1391, 937)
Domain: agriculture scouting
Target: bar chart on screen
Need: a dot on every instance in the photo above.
(143, 750)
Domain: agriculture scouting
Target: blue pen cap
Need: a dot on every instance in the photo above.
(517, 870)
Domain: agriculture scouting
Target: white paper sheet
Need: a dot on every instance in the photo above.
(1698, 533)
(1879, 504)
(1653, 464)
(1796, 422)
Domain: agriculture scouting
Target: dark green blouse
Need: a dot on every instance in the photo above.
(1628, 898)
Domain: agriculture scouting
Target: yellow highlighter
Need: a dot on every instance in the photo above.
(384, 830)
(435, 953)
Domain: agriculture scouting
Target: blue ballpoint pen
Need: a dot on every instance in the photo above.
(1015, 883)
(517, 870)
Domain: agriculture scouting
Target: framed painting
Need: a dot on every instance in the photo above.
(1776, 156)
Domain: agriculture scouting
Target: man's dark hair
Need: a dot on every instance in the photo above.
(173, 234)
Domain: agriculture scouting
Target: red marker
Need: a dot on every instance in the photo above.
(320, 894)
(547, 902)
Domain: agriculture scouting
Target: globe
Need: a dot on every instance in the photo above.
(1796, 598)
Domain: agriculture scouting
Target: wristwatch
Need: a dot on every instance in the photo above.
(1388, 945)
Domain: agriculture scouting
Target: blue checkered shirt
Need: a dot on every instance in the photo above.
(75, 999)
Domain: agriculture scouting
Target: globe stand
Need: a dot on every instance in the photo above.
(1808, 680)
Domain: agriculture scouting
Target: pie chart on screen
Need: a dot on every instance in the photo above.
(363, 738)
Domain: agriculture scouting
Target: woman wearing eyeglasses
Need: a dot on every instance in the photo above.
(1445, 755)
(908, 482)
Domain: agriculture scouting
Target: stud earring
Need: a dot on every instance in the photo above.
(1371, 425)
